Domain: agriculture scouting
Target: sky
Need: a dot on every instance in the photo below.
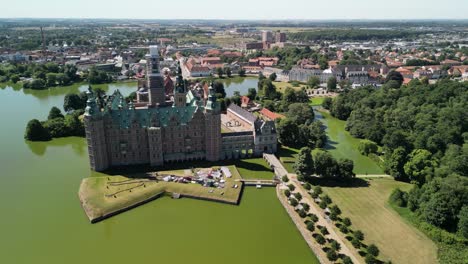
(236, 9)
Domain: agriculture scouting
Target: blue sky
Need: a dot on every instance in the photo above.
(237, 9)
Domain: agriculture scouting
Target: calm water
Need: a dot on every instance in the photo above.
(241, 85)
(342, 145)
(42, 221)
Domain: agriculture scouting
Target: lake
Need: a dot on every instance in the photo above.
(42, 221)
(239, 84)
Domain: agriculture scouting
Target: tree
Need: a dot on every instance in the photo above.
(73, 102)
(36, 132)
(335, 209)
(304, 165)
(228, 72)
(320, 239)
(369, 259)
(394, 76)
(252, 93)
(398, 197)
(420, 165)
(373, 250)
(285, 178)
(14, 78)
(313, 82)
(54, 113)
(358, 235)
(287, 193)
(331, 84)
(345, 168)
(298, 196)
(318, 190)
(219, 89)
(462, 229)
(347, 260)
(220, 72)
(300, 113)
(291, 187)
(51, 79)
(367, 147)
(311, 226)
(327, 103)
(242, 73)
(331, 255)
(293, 202)
(325, 164)
(335, 245)
(394, 165)
(347, 222)
(272, 77)
(356, 242)
(56, 127)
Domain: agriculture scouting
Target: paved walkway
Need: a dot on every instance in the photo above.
(373, 176)
(278, 168)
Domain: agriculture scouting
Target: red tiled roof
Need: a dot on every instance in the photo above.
(270, 115)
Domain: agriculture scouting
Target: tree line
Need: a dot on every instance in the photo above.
(423, 131)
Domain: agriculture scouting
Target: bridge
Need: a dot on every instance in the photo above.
(261, 182)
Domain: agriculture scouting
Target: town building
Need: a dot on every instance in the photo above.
(158, 128)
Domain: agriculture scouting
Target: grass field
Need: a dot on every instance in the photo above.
(369, 211)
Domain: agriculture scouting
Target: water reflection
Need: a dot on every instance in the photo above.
(77, 144)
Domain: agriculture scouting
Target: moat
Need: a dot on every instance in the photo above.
(44, 223)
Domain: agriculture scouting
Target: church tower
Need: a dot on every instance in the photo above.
(180, 90)
(155, 79)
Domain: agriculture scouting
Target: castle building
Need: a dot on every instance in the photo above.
(157, 129)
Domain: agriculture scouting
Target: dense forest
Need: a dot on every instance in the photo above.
(352, 35)
(423, 131)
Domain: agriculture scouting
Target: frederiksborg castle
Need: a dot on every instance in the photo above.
(161, 126)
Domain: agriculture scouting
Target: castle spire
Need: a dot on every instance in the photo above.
(211, 103)
(91, 106)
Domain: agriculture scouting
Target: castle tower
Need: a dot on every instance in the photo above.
(95, 134)
(212, 127)
(155, 79)
(180, 91)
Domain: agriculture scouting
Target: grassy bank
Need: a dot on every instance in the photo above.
(450, 248)
(105, 195)
(365, 203)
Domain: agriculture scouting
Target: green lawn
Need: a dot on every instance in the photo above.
(365, 203)
(316, 101)
(281, 86)
(256, 168)
(106, 194)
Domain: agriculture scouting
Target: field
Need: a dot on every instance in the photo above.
(369, 211)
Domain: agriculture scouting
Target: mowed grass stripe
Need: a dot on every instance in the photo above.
(368, 210)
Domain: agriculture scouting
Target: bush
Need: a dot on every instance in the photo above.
(347, 221)
(323, 230)
(331, 255)
(347, 260)
(314, 218)
(326, 199)
(298, 196)
(307, 186)
(335, 245)
(399, 198)
(344, 229)
(356, 243)
(287, 193)
(318, 190)
(370, 259)
(373, 250)
(293, 202)
(359, 235)
(291, 187)
(323, 204)
(285, 178)
(320, 239)
(311, 226)
(302, 213)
